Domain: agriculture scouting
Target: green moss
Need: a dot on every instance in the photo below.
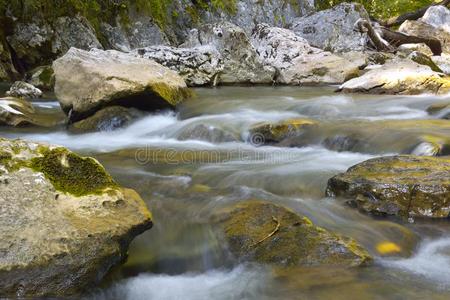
(71, 173)
(170, 94)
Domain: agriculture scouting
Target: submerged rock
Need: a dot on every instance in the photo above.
(333, 29)
(19, 112)
(89, 80)
(409, 186)
(270, 133)
(22, 89)
(399, 77)
(296, 62)
(271, 234)
(106, 119)
(65, 222)
(206, 133)
(442, 110)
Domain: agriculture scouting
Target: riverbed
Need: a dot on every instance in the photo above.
(184, 179)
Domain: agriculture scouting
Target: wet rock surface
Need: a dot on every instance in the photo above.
(408, 186)
(272, 234)
(333, 29)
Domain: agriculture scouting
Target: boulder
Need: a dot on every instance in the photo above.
(22, 89)
(409, 186)
(39, 42)
(437, 16)
(43, 78)
(333, 29)
(272, 234)
(424, 30)
(219, 53)
(399, 77)
(198, 66)
(271, 133)
(241, 63)
(65, 222)
(106, 119)
(86, 81)
(296, 62)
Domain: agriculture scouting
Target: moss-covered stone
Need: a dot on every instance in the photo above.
(71, 173)
(269, 133)
(403, 185)
(272, 234)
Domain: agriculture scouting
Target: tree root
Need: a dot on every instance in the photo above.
(277, 228)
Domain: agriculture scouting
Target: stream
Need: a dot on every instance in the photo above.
(184, 179)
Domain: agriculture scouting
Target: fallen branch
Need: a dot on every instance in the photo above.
(277, 227)
(415, 15)
(386, 40)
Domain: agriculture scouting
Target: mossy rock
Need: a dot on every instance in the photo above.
(71, 173)
(425, 60)
(270, 133)
(405, 185)
(272, 234)
(65, 222)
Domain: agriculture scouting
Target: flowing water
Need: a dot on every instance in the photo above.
(184, 179)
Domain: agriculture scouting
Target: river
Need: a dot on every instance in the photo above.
(184, 179)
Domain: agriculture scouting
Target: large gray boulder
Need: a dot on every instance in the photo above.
(296, 62)
(333, 29)
(437, 16)
(65, 222)
(220, 53)
(86, 81)
(399, 77)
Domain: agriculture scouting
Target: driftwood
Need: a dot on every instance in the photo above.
(415, 15)
(387, 40)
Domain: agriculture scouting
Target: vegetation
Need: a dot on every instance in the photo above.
(381, 9)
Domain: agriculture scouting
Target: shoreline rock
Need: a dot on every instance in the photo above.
(65, 222)
(86, 81)
(403, 77)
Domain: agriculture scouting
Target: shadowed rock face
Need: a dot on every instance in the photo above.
(65, 222)
(86, 81)
(397, 185)
(271, 234)
(333, 29)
